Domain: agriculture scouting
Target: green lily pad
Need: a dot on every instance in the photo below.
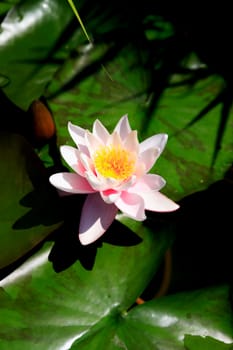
(6, 5)
(71, 297)
(28, 37)
(81, 308)
(205, 343)
(28, 210)
(187, 162)
(109, 79)
(49, 309)
(163, 323)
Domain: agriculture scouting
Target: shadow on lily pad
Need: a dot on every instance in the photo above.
(67, 248)
(120, 235)
(44, 209)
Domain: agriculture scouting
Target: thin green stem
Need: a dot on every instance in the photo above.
(79, 19)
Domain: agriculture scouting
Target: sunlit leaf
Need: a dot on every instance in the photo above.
(163, 323)
(51, 309)
(27, 39)
(205, 343)
(82, 308)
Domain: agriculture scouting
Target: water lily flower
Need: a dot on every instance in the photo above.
(112, 169)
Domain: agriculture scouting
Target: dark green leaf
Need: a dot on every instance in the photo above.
(28, 210)
(5, 6)
(113, 78)
(186, 163)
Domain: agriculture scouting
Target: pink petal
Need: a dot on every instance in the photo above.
(100, 131)
(151, 148)
(148, 182)
(86, 162)
(110, 196)
(71, 182)
(125, 185)
(71, 156)
(156, 141)
(114, 140)
(96, 217)
(78, 135)
(123, 128)
(93, 143)
(140, 169)
(94, 181)
(148, 158)
(100, 183)
(132, 205)
(131, 142)
(156, 201)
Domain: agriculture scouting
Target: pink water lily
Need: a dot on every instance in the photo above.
(113, 170)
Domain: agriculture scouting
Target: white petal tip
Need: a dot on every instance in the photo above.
(86, 239)
(168, 207)
(69, 125)
(173, 208)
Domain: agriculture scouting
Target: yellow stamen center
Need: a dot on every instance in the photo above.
(114, 162)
